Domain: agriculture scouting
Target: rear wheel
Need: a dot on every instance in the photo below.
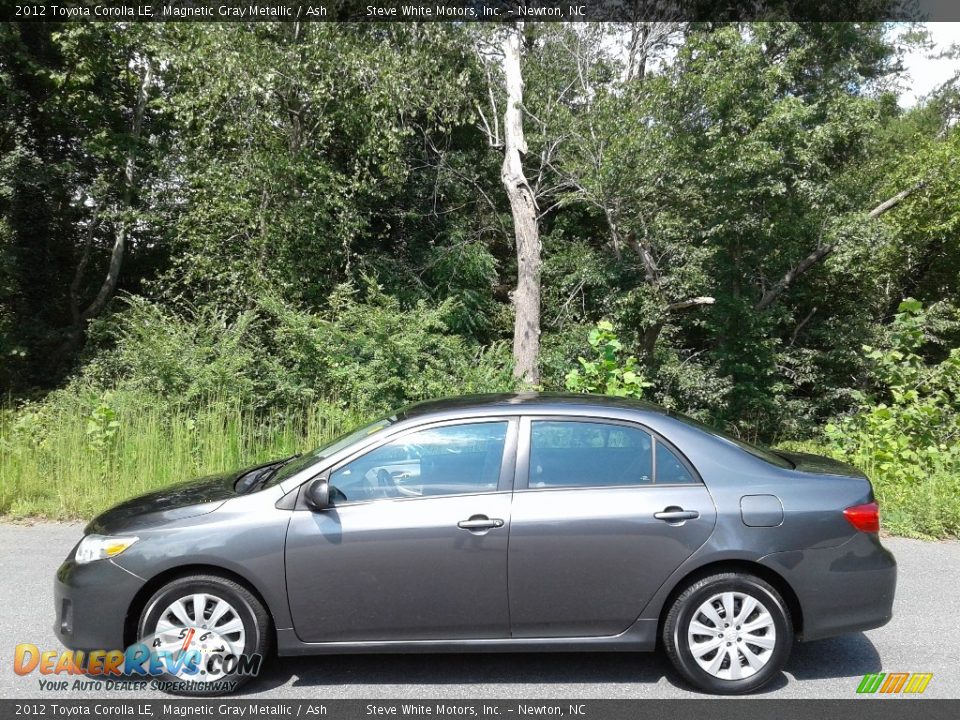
(205, 627)
(728, 633)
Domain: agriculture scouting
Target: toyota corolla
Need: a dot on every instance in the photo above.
(497, 523)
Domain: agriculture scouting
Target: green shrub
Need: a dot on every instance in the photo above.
(905, 434)
(365, 351)
(608, 372)
(186, 358)
(377, 354)
(170, 396)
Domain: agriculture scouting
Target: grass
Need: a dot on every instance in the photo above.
(67, 462)
(71, 458)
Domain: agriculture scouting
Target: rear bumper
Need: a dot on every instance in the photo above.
(847, 588)
(91, 603)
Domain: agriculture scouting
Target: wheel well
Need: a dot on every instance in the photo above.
(157, 581)
(745, 566)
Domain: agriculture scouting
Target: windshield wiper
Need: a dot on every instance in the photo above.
(256, 478)
(275, 468)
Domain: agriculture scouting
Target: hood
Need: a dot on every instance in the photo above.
(183, 500)
(805, 462)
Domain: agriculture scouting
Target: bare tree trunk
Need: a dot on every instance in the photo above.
(526, 297)
(645, 39)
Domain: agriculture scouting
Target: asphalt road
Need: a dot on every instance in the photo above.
(924, 636)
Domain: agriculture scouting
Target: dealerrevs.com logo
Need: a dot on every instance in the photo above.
(202, 661)
(894, 683)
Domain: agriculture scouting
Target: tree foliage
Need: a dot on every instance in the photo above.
(316, 209)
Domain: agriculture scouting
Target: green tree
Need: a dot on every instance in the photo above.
(711, 180)
(80, 131)
(298, 156)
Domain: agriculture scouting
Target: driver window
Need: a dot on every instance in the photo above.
(451, 460)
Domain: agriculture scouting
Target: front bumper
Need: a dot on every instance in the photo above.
(91, 603)
(847, 588)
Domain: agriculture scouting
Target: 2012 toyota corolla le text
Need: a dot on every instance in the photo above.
(498, 523)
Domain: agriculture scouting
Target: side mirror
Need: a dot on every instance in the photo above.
(317, 494)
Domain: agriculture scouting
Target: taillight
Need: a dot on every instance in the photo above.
(865, 518)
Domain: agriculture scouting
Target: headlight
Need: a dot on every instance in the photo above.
(98, 547)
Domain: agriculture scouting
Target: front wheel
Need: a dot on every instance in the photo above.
(728, 633)
(208, 634)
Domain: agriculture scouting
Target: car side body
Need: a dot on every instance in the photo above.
(569, 568)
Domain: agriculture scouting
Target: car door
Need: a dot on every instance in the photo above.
(414, 546)
(603, 513)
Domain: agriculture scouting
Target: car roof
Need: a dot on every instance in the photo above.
(524, 402)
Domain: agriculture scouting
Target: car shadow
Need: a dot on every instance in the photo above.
(847, 656)
(464, 668)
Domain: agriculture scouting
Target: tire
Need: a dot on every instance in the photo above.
(232, 622)
(760, 647)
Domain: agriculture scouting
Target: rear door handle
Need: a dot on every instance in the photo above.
(480, 522)
(676, 515)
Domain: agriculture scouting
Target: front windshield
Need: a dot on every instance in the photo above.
(325, 451)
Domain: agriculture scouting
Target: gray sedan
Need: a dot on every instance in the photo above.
(499, 523)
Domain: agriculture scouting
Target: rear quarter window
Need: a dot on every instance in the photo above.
(758, 451)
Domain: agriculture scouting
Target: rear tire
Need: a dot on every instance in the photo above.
(728, 633)
(206, 611)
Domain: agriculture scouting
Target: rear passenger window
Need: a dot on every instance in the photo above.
(588, 454)
(593, 454)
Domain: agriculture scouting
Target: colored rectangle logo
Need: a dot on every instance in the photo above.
(894, 683)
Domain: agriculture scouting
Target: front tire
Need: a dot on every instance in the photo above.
(728, 633)
(206, 615)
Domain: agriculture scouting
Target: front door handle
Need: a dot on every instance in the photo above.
(676, 514)
(480, 522)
